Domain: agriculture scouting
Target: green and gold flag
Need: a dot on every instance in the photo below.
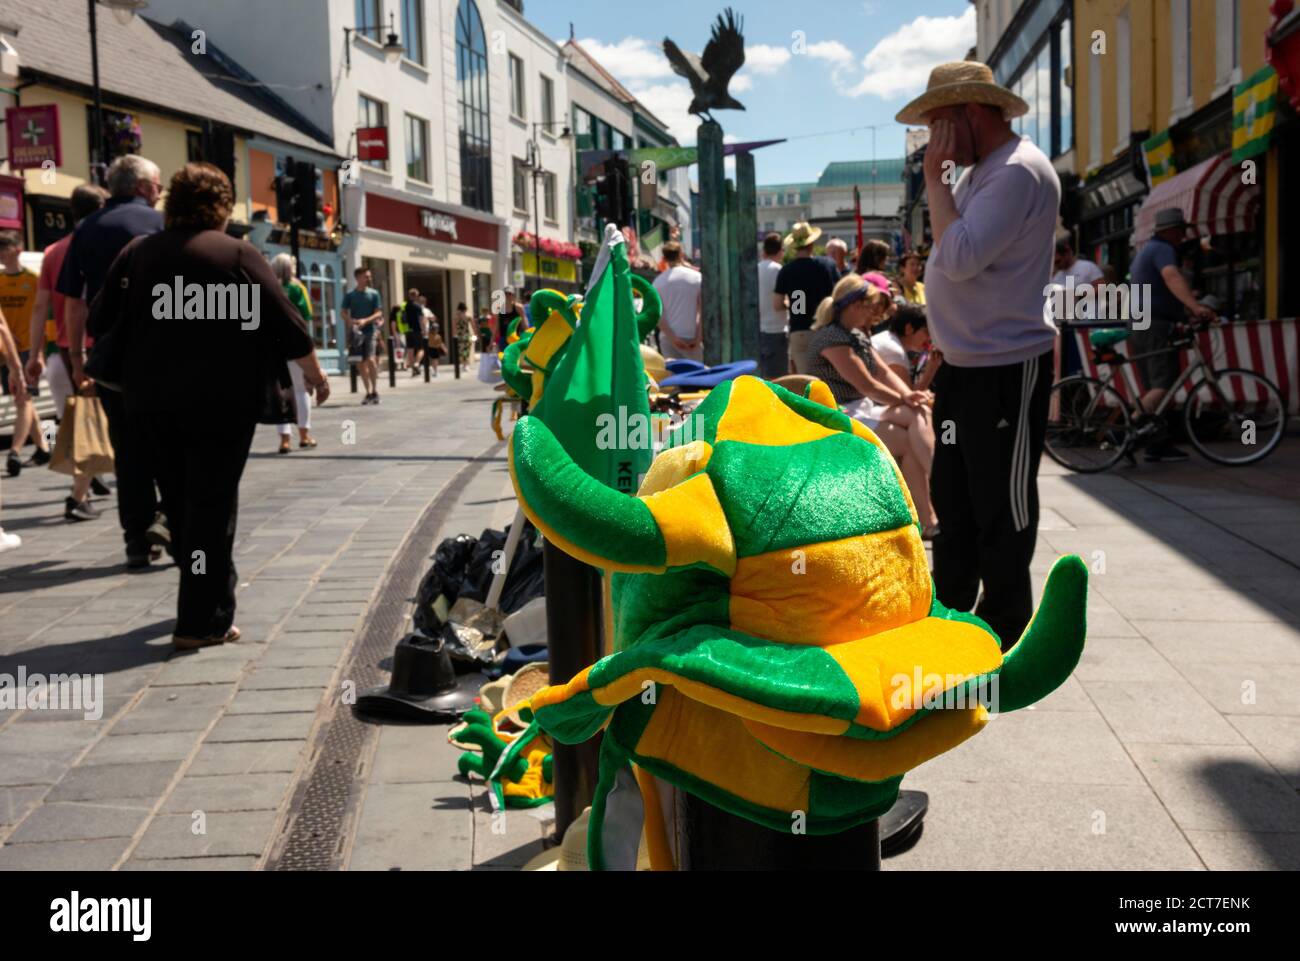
(595, 401)
(1254, 107)
(1159, 154)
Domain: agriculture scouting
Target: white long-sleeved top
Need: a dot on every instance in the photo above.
(985, 278)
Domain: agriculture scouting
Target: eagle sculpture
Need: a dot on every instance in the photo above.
(709, 74)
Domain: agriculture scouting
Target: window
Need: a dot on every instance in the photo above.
(1043, 79)
(1094, 110)
(521, 169)
(1180, 32)
(368, 19)
(413, 29)
(549, 197)
(323, 291)
(372, 113)
(1123, 95)
(1227, 41)
(193, 146)
(1065, 81)
(548, 102)
(1029, 93)
(472, 101)
(417, 149)
(517, 104)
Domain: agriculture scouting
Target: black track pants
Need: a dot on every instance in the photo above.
(989, 423)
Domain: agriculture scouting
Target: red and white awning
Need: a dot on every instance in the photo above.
(1212, 195)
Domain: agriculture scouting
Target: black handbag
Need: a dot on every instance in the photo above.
(275, 401)
(106, 364)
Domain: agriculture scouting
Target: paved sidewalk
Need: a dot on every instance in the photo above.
(1176, 744)
(192, 763)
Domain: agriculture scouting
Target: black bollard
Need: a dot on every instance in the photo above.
(352, 373)
(426, 360)
(455, 356)
(392, 364)
(714, 840)
(574, 629)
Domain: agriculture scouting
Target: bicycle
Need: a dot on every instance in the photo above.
(1232, 416)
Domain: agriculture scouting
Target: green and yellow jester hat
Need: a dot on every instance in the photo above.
(779, 650)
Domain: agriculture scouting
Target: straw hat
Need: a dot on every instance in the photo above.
(964, 81)
(801, 235)
(523, 684)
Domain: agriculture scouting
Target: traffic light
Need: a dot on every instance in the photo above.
(614, 193)
(296, 197)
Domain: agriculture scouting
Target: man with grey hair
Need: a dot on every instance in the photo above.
(838, 251)
(135, 186)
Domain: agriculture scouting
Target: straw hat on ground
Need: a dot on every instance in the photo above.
(964, 81)
(801, 235)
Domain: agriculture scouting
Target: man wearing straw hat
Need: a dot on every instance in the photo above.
(801, 286)
(993, 234)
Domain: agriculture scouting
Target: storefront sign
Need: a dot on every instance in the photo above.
(416, 220)
(310, 240)
(11, 203)
(436, 223)
(552, 268)
(372, 143)
(33, 136)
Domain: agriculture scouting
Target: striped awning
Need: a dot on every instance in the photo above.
(1211, 195)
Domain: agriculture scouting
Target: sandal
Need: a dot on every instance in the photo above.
(284, 447)
(308, 443)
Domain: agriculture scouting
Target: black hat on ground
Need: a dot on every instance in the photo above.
(424, 686)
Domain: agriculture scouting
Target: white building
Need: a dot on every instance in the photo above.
(828, 203)
(456, 106)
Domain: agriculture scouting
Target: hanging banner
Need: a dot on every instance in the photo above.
(1254, 109)
(1159, 155)
(33, 136)
(372, 143)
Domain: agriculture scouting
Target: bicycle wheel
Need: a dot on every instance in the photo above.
(1088, 425)
(1235, 417)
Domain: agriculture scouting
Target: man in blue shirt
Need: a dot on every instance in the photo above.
(1156, 269)
(135, 186)
(363, 311)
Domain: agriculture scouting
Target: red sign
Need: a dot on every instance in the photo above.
(33, 136)
(398, 216)
(11, 203)
(372, 143)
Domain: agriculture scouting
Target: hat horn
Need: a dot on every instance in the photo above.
(576, 512)
(1049, 649)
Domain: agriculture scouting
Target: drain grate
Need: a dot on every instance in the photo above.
(325, 799)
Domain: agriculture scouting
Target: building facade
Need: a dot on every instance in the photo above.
(192, 101)
(828, 202)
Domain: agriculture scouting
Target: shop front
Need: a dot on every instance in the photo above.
(551, 264)
(448, 254)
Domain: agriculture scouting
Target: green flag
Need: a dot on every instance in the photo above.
(1254, 111)
(595, 402)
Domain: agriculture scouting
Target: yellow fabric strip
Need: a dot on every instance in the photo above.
(694, 528)
(656, 832)
(896, 670)
(714, 746)
(756, 415)
(633, 684)
(875, 760)
(833, 592)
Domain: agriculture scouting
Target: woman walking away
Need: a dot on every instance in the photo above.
(868, 390)
(283, 268)
(199, 385)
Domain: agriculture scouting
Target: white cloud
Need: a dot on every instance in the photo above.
(631, 59)
(740, 83)
(670, 102)
(764, 58)
(901, 62)
(831, 51)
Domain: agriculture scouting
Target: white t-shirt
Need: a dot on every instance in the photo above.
(679, 289)
(770, 320)
(1083, 272)
(890, 349)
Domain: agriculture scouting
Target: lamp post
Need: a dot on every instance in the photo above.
(537, 170)
(123, 12)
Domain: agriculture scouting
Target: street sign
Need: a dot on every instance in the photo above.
(33, 136)
(372, 143)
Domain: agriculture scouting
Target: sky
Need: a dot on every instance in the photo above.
(818, 73)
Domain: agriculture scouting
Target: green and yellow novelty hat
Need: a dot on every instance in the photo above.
(779, 649)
